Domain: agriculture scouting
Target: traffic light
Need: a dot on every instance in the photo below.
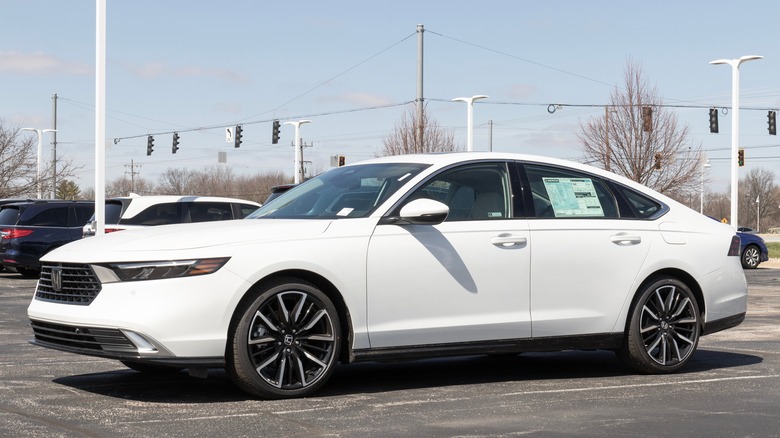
(714, 120)
(149, 145)
(657, 165)
(342, 160)
(175, 146)
(237, 136)
(275, 132)
(647, 118)
(772, 116)
(741, 157)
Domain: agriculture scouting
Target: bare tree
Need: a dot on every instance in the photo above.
(176, 182)
(637, 134)
(123, 186)
(17, 163)
(404, 139)
(759, 198)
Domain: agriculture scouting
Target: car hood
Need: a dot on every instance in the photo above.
(170, 239)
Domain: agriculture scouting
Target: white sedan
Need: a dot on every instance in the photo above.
(397, 258)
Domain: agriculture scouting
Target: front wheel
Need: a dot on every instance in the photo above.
(285, 340)
(751, 257)
(664, 328)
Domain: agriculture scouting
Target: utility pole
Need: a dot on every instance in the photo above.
(132, 173)
(420, 127)
(490, 136)
(607, 150)
(298, 164)
(54, 148)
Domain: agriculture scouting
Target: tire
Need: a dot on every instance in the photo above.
(284, 340)
(664, 328)
(751, 257)
(150, 368)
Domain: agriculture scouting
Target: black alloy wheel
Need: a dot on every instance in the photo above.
(285, 341)
(664, 328)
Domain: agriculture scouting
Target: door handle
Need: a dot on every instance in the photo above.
(625, 239)
(508, 241)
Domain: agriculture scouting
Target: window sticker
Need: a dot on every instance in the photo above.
(573, 197)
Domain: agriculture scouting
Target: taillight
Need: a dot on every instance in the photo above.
(13, 233)
(111, 230)
(734, 247)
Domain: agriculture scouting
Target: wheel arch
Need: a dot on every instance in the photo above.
(323, 284)
(678, 274)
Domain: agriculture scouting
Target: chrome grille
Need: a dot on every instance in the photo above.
(67, 283)
(81, 338)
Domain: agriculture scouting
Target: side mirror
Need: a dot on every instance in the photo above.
(424, 212)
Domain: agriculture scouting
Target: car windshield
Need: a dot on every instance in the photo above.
(351, 191)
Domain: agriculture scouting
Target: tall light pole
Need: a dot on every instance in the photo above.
(758, 214)
(470, 122)
(298, 165)
(735, 63)
(703, 168)
(40, 133)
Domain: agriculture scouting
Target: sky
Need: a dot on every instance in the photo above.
(350, 67)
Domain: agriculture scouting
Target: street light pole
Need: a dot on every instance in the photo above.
(298, 165)
(735, 63)
(470, 118)
(40, 133)
(703, 168)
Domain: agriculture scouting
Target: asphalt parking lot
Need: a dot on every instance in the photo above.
(731, 388)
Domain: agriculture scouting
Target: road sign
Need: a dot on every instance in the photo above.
(229, 134)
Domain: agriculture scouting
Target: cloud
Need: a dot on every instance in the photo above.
(160, 69)
(41, 64)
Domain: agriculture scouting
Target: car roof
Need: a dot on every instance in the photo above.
(135, 204)
(46, 202)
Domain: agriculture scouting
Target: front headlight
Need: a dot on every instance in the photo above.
(157, 270)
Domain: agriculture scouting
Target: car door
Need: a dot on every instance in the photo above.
(586, 255)
(463, 280)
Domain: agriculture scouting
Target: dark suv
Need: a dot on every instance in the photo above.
(32, 228)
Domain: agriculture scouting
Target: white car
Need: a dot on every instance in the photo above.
(139, 211)
(398, 258)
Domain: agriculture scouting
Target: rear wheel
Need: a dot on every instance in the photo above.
(664, 328)
(285, 340)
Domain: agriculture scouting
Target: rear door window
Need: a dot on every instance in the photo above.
(209, 211)
(160, 214)
(564, 193)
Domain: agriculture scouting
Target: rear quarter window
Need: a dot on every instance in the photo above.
(9, 215)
